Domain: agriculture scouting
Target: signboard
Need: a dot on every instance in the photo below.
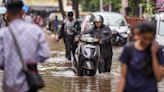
(41, 2)
(44, 4)
(160, 5)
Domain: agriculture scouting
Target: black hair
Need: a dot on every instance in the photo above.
(146, 26)
(70, 14)
(14, 6)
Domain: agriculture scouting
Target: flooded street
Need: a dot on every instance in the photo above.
(37, 36)
(60, 77)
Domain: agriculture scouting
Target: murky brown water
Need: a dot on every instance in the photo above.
(60, 77)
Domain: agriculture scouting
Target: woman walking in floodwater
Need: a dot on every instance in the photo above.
(142, 61)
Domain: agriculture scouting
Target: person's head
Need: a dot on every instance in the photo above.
(135, 33)
(98, 21)
(56, 17)
(14, 9)
(147, 32)
(70, 15)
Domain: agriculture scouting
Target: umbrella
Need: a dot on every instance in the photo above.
(26, 8)
(3, 10)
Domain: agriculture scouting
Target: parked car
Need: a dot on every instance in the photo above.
(160, 28)
(115, 21)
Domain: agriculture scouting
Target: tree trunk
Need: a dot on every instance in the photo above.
(75, 5)
(136, 7)
(61, 8)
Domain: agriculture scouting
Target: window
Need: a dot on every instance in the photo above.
(114, 21)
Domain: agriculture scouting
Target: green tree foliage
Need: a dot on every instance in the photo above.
(148, 7)
(116, 5)
(90, 5)
(93, 5)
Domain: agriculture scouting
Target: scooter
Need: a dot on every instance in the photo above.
(87, 56)
(119, 39)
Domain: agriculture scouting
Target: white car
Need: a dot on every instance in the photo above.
(160, 28)
(115, 21)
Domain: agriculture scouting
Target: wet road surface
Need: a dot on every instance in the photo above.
(60, 77)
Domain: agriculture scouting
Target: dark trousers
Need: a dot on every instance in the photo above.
(33, 91)
(70, 47)
(105, 64)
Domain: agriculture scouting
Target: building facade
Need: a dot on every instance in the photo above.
(47, 4)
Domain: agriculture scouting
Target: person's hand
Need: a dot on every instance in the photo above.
(100, 42)
(154, 47)
(76, 39)
(57, 38)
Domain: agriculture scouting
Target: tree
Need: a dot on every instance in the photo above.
(93, 5)
(90, 5)
(61, 8)
(75, 5)
(133, 9)
(116, 5)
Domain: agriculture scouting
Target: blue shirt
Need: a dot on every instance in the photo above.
(136, 81)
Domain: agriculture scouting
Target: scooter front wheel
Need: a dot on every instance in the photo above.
(88, 72)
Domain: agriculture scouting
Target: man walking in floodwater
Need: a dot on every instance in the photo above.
(69, 30)
(32, 43)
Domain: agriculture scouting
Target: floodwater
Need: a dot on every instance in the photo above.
(60, 77)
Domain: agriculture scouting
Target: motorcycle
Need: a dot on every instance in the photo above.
(87, 56)
(119, 39)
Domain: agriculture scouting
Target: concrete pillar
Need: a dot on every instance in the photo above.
(124, 6)
(101, 5)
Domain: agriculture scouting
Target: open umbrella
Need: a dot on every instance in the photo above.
(3, 10)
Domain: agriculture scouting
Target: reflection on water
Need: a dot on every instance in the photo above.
(59, 76)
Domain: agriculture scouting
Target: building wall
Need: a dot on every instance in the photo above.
(41, 2)
(51, 3)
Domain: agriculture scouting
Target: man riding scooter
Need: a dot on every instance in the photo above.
(102, 32)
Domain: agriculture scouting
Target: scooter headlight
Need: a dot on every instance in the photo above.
(128, 32)
(96, 40)
(114, 32)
